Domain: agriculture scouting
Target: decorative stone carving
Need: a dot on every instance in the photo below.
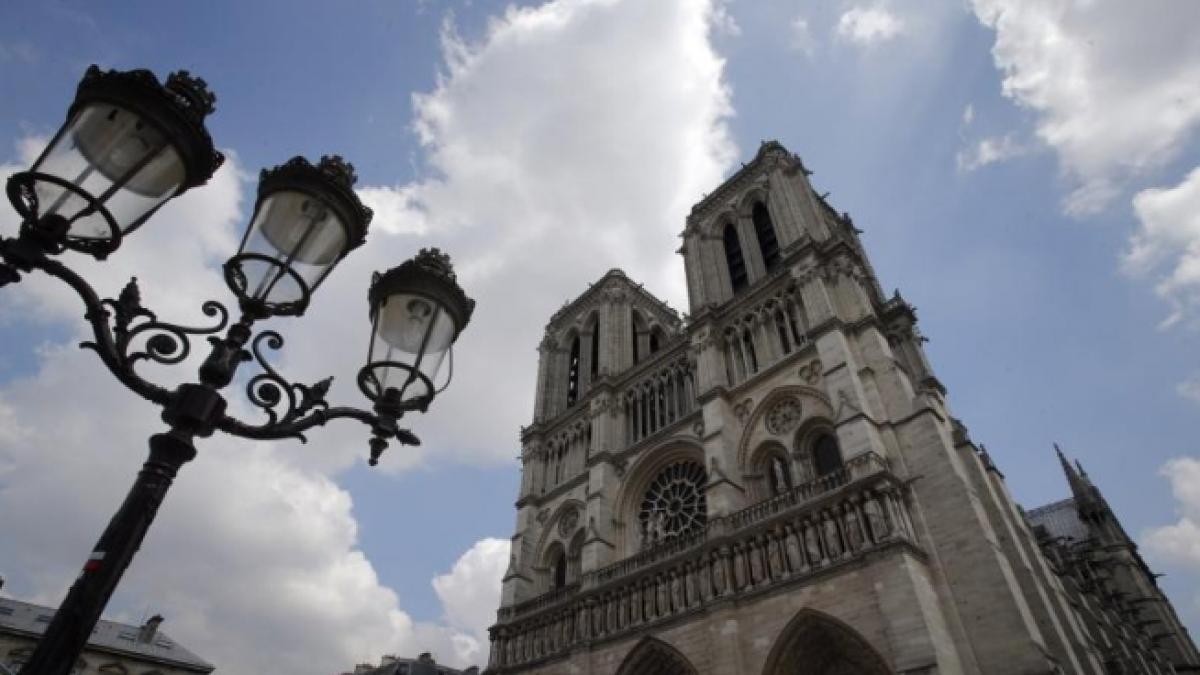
(674, 503)
(742, 410)
(568, 521)
(810, 373)
(784, 416)
(698, 428)
(543, 515)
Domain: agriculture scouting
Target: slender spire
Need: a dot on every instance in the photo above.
(1081, 488)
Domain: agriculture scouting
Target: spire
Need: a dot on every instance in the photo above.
(1082, 490)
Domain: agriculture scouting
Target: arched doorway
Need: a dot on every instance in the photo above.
(652, 656)
(817, 644)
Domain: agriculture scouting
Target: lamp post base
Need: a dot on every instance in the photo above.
(67, 635)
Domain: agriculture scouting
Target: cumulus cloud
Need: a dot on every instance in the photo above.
(1168, 242)
(988, 151)
(470, 591)
(1115, 85)
(869, 25)
(570, 138)
(1178, 544)
(582, 128)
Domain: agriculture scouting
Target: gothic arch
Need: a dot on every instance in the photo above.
(761, 466)
(814, 643)
(637, 480)
(652, 656)
(550, 529)
(813, 402)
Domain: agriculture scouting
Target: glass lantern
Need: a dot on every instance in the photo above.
(418, 310)
(129, 145)
(307, 218)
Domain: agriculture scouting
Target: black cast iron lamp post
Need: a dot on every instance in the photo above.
(129, 145)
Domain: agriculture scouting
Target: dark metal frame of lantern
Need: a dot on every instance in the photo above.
(330, 186)
(176, 110)
(126, 334)
(429, 278)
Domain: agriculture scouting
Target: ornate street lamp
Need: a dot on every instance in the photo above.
(129, 145)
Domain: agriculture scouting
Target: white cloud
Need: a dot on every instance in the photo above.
(989, 151)
(1115, 85)
(869, 25)
(571, 138)
(470, 592)
(1178, 544)
(1168, 242)
(802, 37)
(968, 115)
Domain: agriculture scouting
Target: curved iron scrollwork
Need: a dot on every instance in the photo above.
(283, 402)
(123, 324)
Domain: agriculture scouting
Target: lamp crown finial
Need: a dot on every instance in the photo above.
(338, 169)
(434, 260)
(192, 93)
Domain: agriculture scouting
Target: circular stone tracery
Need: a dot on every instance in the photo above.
(674, 504)
(784, 416)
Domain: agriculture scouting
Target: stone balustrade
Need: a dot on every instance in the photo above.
(812, 528)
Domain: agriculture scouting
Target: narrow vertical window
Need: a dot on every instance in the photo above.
(560, 571)
(764, 230)
(733, 258)
(780, 475)
(827, 458)
(595, 349)
(573, 373)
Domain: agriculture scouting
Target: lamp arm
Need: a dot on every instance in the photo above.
(382, 427)
(123, 324)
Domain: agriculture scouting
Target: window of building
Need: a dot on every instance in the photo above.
(674, 504)
(573, 373)
(595, 348)
(734, 259)
(779, 475)
(764, 230)
(560, 570)
(827, 457)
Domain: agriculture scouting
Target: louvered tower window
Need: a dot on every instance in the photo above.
(764, 230)
(734, 259)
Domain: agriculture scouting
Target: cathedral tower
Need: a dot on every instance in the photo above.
(776, 485)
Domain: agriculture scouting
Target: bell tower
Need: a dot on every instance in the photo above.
(776, 484)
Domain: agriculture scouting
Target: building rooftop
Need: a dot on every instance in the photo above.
(110, 636)
(1061, 519)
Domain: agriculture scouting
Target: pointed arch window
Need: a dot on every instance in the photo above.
(595, 348)
(827, 457)
(734, 259)
(560, 570)
(779, 475)
(573, 373)
(764, 230)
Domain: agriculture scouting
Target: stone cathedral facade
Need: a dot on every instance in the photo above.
(777, 484)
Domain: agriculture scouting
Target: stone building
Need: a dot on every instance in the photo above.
(114, 648)
(777, 484)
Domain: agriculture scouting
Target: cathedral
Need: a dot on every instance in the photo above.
(776, 484)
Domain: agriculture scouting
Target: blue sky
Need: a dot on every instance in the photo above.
(1022, 172)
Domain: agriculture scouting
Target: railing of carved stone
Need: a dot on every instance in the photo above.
(856, 467)
(772, 547)
(658, 398)
(764, 334)
(535, 604)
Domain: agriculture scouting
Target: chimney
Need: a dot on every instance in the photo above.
(149, 629)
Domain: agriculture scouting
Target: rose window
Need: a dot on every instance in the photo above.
(674, 504)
